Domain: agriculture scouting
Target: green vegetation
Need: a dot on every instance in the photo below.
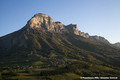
(52, 56)
(72, 71)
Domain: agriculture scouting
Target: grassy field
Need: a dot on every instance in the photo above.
(34, 74)
(72, 72)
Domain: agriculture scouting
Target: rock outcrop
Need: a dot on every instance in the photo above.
(72, 28)
(99, 40)
(41, 21)
(45, 23)
(85, 35)
(117, 45)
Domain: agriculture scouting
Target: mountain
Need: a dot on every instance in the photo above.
(63, 48)
(100, 40)
(43, 23)
(41, 36)
(117, 45)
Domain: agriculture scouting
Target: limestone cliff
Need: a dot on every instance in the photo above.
(45, 23)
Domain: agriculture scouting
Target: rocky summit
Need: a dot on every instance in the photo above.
(44, 23)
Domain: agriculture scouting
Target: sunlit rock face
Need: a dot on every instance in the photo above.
(85, 35)
(42, 21)
(72, 28)
(45, 23)
(59, 27)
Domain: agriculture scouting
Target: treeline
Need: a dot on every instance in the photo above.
(71, 68)
(82, 69)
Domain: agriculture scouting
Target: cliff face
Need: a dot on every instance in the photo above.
(85, 35)
(42, 21)
(72, 28)
(45, 23)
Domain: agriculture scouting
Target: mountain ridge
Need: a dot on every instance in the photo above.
(117, 44)
(41, 19)
(59, 27)
(45, 23)
(44, 49)
(42, 25)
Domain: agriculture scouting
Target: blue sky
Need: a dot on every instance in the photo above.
(96, 17)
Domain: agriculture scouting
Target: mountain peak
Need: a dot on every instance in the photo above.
(45, 23)
(41, 21)
(41, 15)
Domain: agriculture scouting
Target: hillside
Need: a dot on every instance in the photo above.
(117, 45)
(57, 50)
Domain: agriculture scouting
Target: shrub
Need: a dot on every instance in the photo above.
(28, 71)
(10, 73)
(0, 74)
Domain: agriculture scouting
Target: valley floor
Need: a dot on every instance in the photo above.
(73, 72)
